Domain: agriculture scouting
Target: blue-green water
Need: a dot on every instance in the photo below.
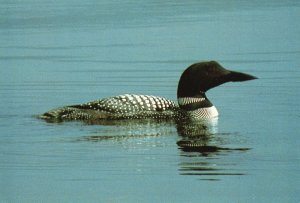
(55, 53)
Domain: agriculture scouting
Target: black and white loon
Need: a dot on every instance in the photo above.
(192, 101)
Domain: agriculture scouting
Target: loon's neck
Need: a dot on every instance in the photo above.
(197, 107)
(195, 102)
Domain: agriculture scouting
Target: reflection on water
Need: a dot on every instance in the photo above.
(201, 147)
(122, 130)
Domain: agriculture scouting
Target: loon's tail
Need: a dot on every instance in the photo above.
(59, 114)
(69, 113)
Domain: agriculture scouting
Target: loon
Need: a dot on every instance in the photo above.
(192, 101)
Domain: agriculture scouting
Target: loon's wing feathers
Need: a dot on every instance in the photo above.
(129, 103)
(118, 107)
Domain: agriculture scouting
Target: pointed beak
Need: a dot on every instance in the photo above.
(239, 77)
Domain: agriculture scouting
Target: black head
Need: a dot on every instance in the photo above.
(200, 77)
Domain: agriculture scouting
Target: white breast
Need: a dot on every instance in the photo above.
(204, 113)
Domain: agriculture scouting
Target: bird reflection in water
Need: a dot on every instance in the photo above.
(201, 151)
(130, 129)
(201, 146)
(196, 136)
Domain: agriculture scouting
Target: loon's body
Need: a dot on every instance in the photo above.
(192, 101)
(130, 106)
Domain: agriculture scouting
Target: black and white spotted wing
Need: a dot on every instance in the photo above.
(130, 103)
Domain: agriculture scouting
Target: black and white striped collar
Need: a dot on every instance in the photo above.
(193, 103)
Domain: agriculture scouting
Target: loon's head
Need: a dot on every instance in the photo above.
(200, 77)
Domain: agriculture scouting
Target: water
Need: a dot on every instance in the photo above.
(68, 52)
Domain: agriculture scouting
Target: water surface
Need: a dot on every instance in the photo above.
(69, 52)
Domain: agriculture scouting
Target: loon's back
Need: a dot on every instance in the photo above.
(128, 106)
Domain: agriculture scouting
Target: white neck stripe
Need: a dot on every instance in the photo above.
(189, 100)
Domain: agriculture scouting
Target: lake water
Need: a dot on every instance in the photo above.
(56, 53)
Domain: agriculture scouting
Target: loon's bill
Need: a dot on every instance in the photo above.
(192, 101)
